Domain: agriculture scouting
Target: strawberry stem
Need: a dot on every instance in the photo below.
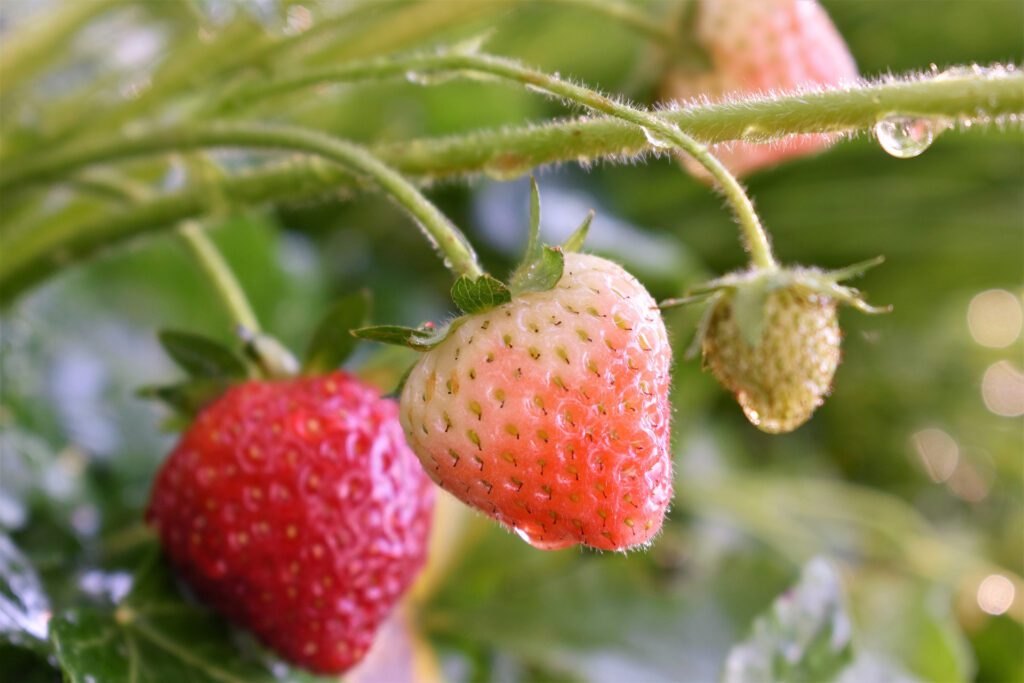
(459, 255)
(659, 131)
(212, 262)
(32, 255)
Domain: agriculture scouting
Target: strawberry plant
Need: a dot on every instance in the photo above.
(497, 457)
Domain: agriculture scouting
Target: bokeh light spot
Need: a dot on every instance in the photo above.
(995, 594)
(970, 482)
(994, 318)
(938, 451)
(1002, 389)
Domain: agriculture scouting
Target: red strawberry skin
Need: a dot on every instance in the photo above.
(758, 47)
(550, 413)
(296, 509)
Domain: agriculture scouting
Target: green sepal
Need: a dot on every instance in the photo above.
(476, 295)
(687, 300)
(533, 243)
(201, 356)
(421, 338)
(702, 325)
(855, 270)
(579, 236)
(189, 397)
(541, 274)
(332, 342)
(748, 309)
(852, 297)
(542, 266)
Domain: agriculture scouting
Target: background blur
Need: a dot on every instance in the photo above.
(908, 480)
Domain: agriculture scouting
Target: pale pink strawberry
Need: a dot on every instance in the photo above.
(762, 46)
(550, 413)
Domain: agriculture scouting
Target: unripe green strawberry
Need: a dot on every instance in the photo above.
(550, 412)
(780, 381)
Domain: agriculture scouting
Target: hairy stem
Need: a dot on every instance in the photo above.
(459, 255)
(657, 129)
(220, 275)
(512, 152)
(31, 256)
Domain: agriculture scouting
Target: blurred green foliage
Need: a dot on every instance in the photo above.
(78, 449)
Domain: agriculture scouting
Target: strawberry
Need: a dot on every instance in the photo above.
(295, 508)
(771, 336)
(762, 46)
(783, 378)
(550, 412)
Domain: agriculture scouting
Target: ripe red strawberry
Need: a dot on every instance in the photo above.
(295, 508)
(550, 413)
(781, 380)
(762, 46)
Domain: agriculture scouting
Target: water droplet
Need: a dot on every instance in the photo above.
(905, 137)
(656, 139)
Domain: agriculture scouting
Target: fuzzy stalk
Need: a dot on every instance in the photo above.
(217, 270)
(33, 255)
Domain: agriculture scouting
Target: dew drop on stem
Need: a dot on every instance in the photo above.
(656, 139)
(905, 137)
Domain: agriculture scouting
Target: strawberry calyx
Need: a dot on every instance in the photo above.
(212, 367)
(749, 289)
(540, 270)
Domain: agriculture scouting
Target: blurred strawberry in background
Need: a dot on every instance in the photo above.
(753, 47)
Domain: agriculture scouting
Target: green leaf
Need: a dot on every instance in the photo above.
(332, 342)
(418, 338)
(805, 636)
(479, 294)
(200, 356)
(24, 606)
(188, 397)
(153, 636)
(577, 238)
